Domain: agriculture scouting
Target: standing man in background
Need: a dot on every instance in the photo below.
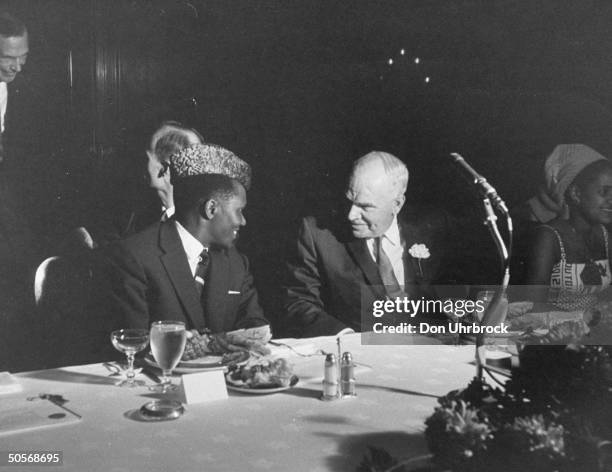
(14, 49)
(18, 248)
(16, 241)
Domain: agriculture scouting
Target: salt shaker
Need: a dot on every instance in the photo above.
(347, 375)
(330, 379)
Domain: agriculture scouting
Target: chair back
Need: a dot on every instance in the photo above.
(40, 278)
(62, 280)
(63, 296)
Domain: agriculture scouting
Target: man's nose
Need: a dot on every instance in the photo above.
(242, 220)
(353, 213)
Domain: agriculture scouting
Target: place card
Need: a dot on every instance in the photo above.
(203, 386)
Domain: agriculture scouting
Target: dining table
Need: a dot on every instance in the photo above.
(397, 386)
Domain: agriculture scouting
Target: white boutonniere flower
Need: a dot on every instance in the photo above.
(419, 251)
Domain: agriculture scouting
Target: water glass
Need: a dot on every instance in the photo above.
(167, 345)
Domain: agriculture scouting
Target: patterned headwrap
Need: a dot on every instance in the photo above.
(199, 159)
(560, 169)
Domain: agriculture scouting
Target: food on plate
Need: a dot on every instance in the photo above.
(543, 320)
(262, 374)
(252, 340)
(196, 346)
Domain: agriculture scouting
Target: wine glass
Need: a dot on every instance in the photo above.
(167, 345)
(130, 342)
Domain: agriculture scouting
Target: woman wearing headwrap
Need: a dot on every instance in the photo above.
(561, 167)
(571, 251)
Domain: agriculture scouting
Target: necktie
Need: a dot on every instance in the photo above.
(202, 271)
(385, 268)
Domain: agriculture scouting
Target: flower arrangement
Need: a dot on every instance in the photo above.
(554, 414)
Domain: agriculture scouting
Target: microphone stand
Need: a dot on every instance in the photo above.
(494, 312)
(496, 309)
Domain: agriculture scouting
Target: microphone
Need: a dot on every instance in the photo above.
(485, 187)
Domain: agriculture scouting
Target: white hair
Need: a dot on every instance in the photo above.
(395, 169)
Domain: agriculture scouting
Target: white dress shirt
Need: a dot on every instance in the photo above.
(193, 248)
(167, 213)
(392, 245)
(3, 102)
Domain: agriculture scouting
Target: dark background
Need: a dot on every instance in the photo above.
(301, 88)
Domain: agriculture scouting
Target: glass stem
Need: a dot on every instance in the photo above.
(130, 371)
(165, 380)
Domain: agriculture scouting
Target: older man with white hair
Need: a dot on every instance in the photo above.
(374, 253)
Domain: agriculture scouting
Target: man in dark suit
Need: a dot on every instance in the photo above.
(337, 268)
(30, 119)
(187, 268)
(19, 248)
(14, 49)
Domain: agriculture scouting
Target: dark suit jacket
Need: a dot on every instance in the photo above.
(151, 280)
(33, 141)
(20, 186)
(330, 273)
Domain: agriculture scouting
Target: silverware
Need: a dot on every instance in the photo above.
(318, 352)
(57, 400)
(113, 368)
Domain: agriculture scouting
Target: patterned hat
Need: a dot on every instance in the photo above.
(199, 159)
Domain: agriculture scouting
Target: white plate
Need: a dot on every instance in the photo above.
(261, 391)
(202, 363)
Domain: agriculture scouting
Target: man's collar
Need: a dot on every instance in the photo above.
(393, 234)
(192, 246)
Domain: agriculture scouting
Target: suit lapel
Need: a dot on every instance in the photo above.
(12, 97)
(358, 248)
(408, 236)
(215, 290)
(412, 273)
(175, 262)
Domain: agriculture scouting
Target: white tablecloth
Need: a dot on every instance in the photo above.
(289, 431)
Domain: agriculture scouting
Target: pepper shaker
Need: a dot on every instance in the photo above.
(347, 376)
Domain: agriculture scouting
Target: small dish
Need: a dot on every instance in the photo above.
(161, 410)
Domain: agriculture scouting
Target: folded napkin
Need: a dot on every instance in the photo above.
(9, 384)
(260, 334)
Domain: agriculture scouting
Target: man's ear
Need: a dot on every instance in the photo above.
(208, 209)
(165, 167)
(398, 203)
